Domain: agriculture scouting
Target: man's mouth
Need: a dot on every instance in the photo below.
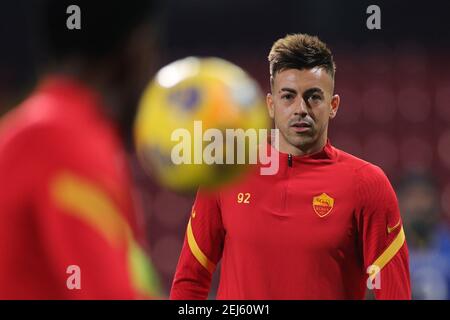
(301, 126)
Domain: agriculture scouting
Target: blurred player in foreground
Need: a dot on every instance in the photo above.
(68, 225)
(315, 230)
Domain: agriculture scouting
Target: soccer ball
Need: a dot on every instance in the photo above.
(186, 99)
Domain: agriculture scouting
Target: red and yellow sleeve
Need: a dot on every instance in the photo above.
(382, 237)
(65, 234)
(87, 228)
(202, 249)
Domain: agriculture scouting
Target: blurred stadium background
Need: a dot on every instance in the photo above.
(395, 111)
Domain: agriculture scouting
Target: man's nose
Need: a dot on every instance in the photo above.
(301, 108)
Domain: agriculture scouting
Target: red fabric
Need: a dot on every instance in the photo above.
(278, 247)
(60, 128)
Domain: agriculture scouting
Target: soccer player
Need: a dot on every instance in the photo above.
(68, 224)
(325, 226)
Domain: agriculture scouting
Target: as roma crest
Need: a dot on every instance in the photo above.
(323, 204)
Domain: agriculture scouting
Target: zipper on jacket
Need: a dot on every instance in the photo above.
(286, 185)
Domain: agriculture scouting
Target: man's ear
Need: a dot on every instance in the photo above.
(270, 105)
(335, 100)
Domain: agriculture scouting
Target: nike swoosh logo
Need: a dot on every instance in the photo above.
(390, 229)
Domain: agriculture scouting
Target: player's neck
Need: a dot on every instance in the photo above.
(303, 150)
(94, 78)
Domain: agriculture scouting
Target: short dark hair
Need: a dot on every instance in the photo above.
(105, 25)
(300, 51)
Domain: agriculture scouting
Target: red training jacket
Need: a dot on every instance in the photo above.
(67, 220)
(314, 230)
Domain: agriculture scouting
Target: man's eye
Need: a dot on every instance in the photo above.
(287, 97)
(315, 97)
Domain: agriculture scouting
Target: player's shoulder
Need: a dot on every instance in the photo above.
(366, 171)
(35, 120)
(38, 129)
(48, 117)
